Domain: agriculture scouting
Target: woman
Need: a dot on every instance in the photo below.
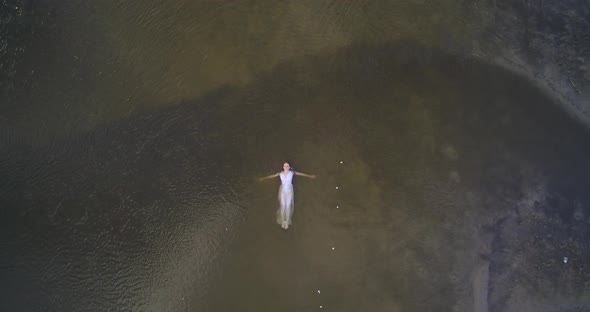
(286, 195)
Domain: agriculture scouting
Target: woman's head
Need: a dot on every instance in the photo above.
(286, 166)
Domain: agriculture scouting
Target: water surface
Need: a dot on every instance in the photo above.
(128, 180)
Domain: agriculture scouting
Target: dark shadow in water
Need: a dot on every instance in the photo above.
(461, 188)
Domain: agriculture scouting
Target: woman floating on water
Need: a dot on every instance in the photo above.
(286, 195)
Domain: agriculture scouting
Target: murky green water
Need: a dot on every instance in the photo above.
(460, 186)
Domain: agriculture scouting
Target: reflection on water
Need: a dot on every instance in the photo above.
(460, 187)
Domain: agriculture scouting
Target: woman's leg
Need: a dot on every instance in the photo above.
(279, 214)
(284, 207)
(291, 206)
(287, 207)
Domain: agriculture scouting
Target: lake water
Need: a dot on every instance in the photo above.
(443, 184)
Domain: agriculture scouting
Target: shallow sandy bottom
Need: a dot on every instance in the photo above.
(460, 189)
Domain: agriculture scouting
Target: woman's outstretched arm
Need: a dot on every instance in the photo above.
(305, 175)
(268, 177)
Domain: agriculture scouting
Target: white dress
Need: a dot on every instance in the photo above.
(286, 198)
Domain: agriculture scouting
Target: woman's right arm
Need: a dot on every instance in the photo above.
(268, 177)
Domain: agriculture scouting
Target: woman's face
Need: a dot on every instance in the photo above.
(286, 166)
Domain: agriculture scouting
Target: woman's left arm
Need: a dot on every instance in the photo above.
(305, 175)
